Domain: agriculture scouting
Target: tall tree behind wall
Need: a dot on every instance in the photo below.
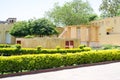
(110, 8)
(75, 12)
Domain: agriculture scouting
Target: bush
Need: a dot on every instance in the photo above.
(5, 45)
(82, 46)
(44, 61)
(18, 46)
(8, 51)
(58, 48)
(29, 36)
(109, 46)
(20, 51)
(86, 49)
(39, 48)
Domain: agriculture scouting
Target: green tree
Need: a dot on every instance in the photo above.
(75, 12)
(110, 8)
(38, 27)
(93, 17)
(42, 27)
(20, 29)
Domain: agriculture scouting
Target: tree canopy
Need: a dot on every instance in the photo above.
(20, 29)
(110, 8)
(75, 12)
(41, 27)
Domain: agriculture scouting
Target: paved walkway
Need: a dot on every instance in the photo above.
(99, 72)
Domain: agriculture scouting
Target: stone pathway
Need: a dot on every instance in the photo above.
(99, 72)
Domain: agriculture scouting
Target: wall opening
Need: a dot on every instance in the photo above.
(8, 38)
(69, 44)
(18, 42)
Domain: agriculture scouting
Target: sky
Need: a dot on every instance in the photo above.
(28, 9)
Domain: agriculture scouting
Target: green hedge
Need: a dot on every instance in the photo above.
(5, 45)
(44, 61)
(16, 51)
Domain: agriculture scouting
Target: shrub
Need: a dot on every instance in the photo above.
(58, 47)
(5, 45)
(109, 46)
(29, 36)
(105, 47)
(86, 49)
(82, 46)
(39, 48)
(19, 51)
(8, 51)
(18, 46)
(44, 61)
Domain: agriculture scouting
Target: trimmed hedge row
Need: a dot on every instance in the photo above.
(44, 61)
(16, 51)
(5, 45)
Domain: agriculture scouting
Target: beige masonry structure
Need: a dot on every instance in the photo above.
(71, 37)
(5, 26)
(105, 31)
(87, 34)
(47, 43)
(109, 30)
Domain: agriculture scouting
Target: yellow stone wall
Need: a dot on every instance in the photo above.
(88, 36)
(113, 24)
(84, 34)
(87, 33)
(48, 43)
(4, 29)
(110, 39)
